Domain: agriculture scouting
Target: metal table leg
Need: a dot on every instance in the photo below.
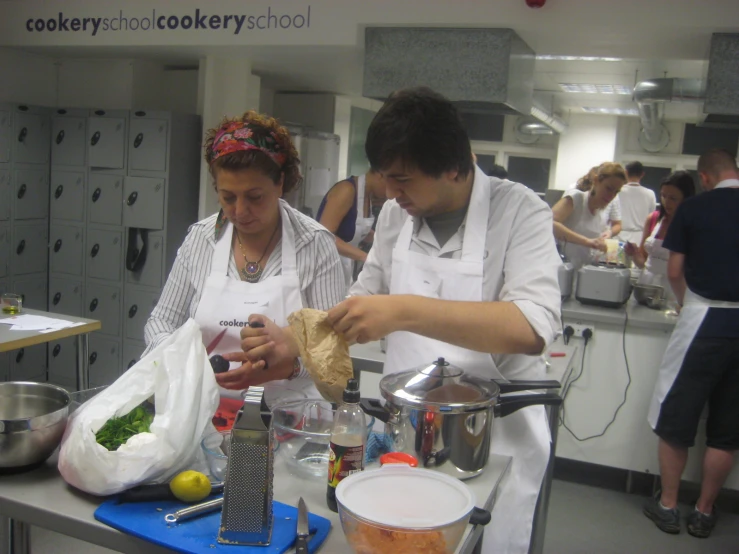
(83, 362)
(17, 536)
(539, 527)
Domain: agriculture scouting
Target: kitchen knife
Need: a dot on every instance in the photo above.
(152, 493)
(214, 343)
(301, 540)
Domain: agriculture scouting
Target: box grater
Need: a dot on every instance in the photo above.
(247, 499)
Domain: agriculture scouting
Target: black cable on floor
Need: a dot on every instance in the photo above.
(626, 390)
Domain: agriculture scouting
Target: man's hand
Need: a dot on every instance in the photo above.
(367, 318)
(251, 374)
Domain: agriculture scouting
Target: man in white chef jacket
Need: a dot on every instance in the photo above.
(463, 266)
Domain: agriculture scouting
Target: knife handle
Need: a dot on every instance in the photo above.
(301, 545)
(147, 493)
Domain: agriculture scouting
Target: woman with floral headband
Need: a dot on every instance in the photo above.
(257, 255)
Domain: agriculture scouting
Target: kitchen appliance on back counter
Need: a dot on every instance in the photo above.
(604, 285)
(566, 277)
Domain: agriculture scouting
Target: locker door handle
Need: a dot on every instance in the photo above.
(60, 137)
(58, 245)
(131, 364)
(93, 357)
(131, 200)
(22, 191)
(23, 134)
(95, 250)
(19, 356)
(58, 192)
(57, 349)
(21, 247)
(96, 194)
(138, 140)
(93, 304)
(95, 138)
(57, 298)
(132, 311)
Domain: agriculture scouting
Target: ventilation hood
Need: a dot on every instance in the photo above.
(722, 85)
(481, 70)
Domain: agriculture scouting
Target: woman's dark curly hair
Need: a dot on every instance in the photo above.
(260, 125)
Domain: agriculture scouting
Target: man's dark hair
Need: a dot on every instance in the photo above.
(634, 169)
(423, 130)
(497, 171)
(716, 161)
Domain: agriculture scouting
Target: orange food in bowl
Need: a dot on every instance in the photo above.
(367, 539)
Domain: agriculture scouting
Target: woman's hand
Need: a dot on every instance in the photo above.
(598, 244)
(607, 234)
(630, 248)
(268, 341)
(249, 374)
(366, 318)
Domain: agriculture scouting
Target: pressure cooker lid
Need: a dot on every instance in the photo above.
(439, 387)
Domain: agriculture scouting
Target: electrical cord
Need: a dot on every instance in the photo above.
(626, 390)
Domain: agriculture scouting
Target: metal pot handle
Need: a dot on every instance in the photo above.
(372, 406)
(520, 385)
(506, 405)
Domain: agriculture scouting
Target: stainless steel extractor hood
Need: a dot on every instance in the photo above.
(722, 85)
(481, 70)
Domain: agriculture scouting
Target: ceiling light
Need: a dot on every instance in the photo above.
(611, 111)
(578, 58)
(587, 88)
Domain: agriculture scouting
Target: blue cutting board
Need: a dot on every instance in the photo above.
(199, 535)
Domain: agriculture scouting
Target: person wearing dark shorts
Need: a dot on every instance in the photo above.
(701, 363)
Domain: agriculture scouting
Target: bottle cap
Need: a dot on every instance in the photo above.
(351, 392)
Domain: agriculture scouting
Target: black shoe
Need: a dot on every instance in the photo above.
(700, 525)
(667, 520)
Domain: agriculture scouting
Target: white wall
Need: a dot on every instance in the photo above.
(180, 90)
(27, 78)
(590, 140)
(104, 84)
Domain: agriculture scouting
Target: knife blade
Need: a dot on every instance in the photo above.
(303, 532)
(214, 343)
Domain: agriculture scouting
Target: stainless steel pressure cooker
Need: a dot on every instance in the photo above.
(445, 417)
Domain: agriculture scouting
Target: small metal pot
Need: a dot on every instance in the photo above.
(33, 417)
(445, 417)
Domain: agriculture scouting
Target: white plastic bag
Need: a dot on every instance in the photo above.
(177, 373)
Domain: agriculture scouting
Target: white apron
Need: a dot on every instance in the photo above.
(694, 310)
(583, 222)
(362, 228)
(524, 435)
(655, 269)
(228, 303)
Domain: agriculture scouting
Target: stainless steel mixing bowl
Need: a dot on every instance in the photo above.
(32, 421)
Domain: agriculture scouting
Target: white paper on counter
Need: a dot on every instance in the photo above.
(28, 322)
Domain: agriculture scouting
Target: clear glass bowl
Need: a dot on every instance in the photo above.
(216, 448)
(302, 428)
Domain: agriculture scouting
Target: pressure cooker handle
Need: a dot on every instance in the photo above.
(372, 406)
(479, 516)
(508, 404)
(520, 385)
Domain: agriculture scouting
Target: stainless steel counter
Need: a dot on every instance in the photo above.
(42, 498)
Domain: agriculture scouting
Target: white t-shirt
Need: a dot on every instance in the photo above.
(637, 202)
(583, 222)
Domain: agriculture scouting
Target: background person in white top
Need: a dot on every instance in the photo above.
(463, 266)
(637, 202)
(583, 220)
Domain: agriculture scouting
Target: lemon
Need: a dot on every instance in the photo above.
(190, 486)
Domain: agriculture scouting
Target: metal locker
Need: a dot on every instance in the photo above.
(65, 296)
(104, 304)
(67, 195)
(4, 195)
(106, 142)
(32, 289)
(62, 358)
(4, 286)
(147, 144)
(105, 199)
(28, 364)
(152, 274)
(4, 367)
(104, 254)
(105, 361)
(29, 248)
(30, 194)
(137, 308)
(6, 131)
(31, 133)
(68, 141)
(66, 244)
(143, 204)
(4, 250)
(131, 354)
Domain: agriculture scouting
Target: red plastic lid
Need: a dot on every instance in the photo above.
(398, 458)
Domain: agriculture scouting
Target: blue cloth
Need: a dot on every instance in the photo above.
(348, 225)
(706, 230)
(377, 445)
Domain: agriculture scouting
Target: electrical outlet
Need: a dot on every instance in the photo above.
(580, 327)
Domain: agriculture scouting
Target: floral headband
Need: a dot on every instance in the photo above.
(237, 136)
